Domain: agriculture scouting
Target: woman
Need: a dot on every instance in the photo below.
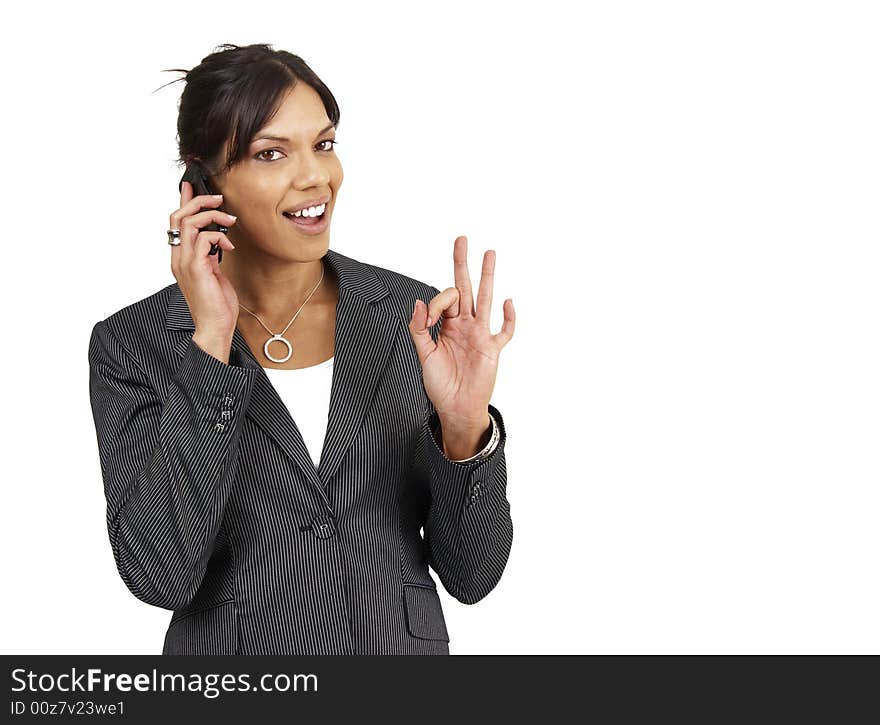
(270, 519)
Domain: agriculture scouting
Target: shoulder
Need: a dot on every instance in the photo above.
(401, 286)
(140, 320)
(403, 291)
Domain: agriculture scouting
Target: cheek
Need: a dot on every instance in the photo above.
(336, 174)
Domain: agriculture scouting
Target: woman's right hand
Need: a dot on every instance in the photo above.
(211, 297)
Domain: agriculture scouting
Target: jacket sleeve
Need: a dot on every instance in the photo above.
(469, 531)
(167, 462)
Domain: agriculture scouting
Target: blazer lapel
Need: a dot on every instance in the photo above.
(365, 334)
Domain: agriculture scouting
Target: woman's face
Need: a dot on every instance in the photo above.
(277, 175)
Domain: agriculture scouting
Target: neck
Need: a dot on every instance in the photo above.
(274, 293)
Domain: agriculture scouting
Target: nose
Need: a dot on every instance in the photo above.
(311, 172)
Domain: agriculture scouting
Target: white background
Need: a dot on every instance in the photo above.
(683, 201)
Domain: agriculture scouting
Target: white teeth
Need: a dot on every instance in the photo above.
(311, 211)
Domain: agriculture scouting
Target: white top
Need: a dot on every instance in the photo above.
(306, 393)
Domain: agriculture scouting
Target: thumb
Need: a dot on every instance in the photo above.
(418, 328)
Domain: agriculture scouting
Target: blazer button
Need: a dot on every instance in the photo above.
(220, 427)
(322, 527)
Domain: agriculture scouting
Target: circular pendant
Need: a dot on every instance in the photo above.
(279, 339)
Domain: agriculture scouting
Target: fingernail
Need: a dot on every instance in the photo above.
(429, 321)
(218, 196)
(232, 216)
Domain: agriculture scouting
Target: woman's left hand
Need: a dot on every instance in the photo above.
(459, 369)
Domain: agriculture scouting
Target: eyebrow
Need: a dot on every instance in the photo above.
(269, 137)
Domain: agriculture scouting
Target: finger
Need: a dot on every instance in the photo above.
(421, 335)
(192, 206)
(509, 324)
(487, 282)
(204, 218)
(190, 227)
(205, 241)
(445, 304)
(186, 192)
(462, 278)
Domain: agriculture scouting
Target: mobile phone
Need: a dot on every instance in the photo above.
(196, 175)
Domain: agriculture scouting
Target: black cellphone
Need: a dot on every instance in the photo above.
(196, 175)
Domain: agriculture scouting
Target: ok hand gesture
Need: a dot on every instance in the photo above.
(459, 370)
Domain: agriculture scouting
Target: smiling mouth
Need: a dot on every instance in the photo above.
(310, 224)
(303, 218)
(306, 221)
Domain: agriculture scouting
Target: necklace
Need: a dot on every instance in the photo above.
(280, 335)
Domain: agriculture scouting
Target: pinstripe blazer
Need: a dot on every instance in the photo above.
(215, 509)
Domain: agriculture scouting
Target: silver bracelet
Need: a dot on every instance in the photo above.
(490, 446)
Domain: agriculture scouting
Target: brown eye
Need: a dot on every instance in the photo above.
(260, 157)
(265, 151)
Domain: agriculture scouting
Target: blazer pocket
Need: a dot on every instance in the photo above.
(424, 615)
(211, 630)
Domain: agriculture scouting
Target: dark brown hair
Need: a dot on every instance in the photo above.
(231, 95)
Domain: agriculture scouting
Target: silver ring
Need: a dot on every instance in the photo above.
(174, 237)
